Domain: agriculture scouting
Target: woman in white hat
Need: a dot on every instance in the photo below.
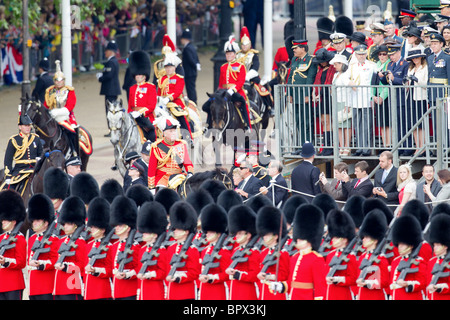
(341, 79)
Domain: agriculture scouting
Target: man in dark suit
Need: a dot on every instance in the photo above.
(429, 188)
(305, 176)
(280, 195)
(385, 180)
(250, 185)
(361, 185)
(109, 77)
(191, 65)
(43, 82)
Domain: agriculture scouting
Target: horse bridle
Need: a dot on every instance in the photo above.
(127, 132)
(228, 116)
(36, 127)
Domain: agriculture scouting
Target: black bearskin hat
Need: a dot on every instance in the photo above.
(214, 187)
(228, 199)
(214, 218)
(167, 197)
(139, 194)
(110, 189)
(99, 213)
(374, 225)
(354, 207)
(442, 207)
(56, 183)
(12, 207)
(418, 209)
(440, 230)
(344, 24)
(85, 186)
(375, 203)
(290, 206)
(258, 202)
(325, 27)
(309, 224)
(325, 202)
(40, 207)
(152, 218)
(123, 211)
(241, 218)
(73, 210)
(199, 199)
(268, 220)
(139, 64)
(183, 216)
(407, 229)
(340, 225)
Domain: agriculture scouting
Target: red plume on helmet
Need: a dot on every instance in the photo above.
(245, 36)
(167, 42)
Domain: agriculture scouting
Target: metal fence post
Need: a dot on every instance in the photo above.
(335, 124)
(439, 134)
(393, 124)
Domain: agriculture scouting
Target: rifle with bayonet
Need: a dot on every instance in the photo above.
(65, 248)
(405, 267)
(200, 242)
(10, 242)
(177, 259)
(100, 252)
(367, 264)
(208, 259)
(147, 257)
(39, 245)
(272, 258)
(438, 269)
(337, 263)
(239, 255)
(125, 256)
(325, 246)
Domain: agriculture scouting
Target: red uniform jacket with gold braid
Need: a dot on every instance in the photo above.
(444, 292)
(172, 87)
(165, 160)
(98, 285)
(342, 290)
(69, 281)
(41, 279)
(125, 287)
(153, 288)
(185, 289)
(50, 103)
(417, 281)
(379, 279)
(283, 275)
(217, 289)
(11, 276)
(307, 276)
(142, 98)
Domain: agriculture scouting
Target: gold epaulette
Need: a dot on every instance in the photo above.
(155, 144)
(254, 51)
(317, 254)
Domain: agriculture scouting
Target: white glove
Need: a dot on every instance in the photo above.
(153, 191)
(199, 67)
(251, 74)
(7, 181)
(135, 114)
(99, 75)
(276, 287)
(60, 114)
(165, 100)
(150, 274)
(230, 92)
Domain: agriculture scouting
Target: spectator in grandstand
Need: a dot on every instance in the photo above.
(334, 187)
(360, 185)
(444, 194)
(429, 188)
(406, 187)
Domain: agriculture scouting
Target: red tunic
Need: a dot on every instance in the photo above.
(153, 288)
(185, 289)
(418, 280)
(70, 281)
(42, 281)
(376, 292)
(11, 276)
(280, 56)
(307, 276)
(123, 288)
(283, 275)
(245, 287)
(216, 290)
(50, 103)
(163, 164)
(142, 98)
(342, 290)
(98, 284)
(444, 293)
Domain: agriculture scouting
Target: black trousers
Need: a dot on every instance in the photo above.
(190, 88)
(69, 297)
(147, 127)
(48, 296)
(11, 295)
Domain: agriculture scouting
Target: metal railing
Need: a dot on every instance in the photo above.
(410, 121)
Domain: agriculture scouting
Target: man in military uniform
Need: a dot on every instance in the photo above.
(258, 171)
(24, 149)
(302, 72)
(158, 66)
(406, 16)
(167, 156)
(438, 68)
(43, 82)
(377, 34)
(60, 99)
(109, 77)
(338, 43)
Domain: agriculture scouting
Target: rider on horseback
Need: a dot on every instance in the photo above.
(142, 98)
(232, 77)
(24, 149)
(60, 99)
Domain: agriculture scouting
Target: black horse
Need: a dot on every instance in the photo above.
(264, 104)
(53, 135)
(226, 124)
(195, 181)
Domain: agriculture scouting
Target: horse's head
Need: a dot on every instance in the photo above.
(55, 158)
(36, 111)
(115, 118)
(219, 111)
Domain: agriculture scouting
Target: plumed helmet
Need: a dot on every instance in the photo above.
(245, 36)
(85, 186)
(270, 220)
(309, 224)
(123, 211)
(231, 45)
(214, 218)
(407, 229)
(12, 207)
(374, 225)
(59, 75)
(340, 224)
(110, 189)
(140, 194)
(168, 45)
(72, 210)
(166, 122)
(183, 216)
(99, 213)
(241, 218)
(40, 207)
(171, 59)
(290, 207)
(56, 183)
(229, 198)
(152, 218)
(167, 197)
(139, 64)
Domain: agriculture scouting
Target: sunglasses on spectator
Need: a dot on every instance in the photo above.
(382, 54)
(243, 167)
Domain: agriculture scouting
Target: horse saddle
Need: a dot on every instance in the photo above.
(262, 90)
(141, 132)
(85, 140)
(176, 180)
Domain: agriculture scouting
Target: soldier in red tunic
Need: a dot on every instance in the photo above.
(374, 281)
(98, 271)
(142, 96)
(409, 282)
(183, 256)
(70, 267)
(41, 265)
(153, 265)
(168, 156)
(214, 260)
(342, 231)
(125, 250)
(274, 272)
(13, 259)
(245, 259)
(307, 267)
